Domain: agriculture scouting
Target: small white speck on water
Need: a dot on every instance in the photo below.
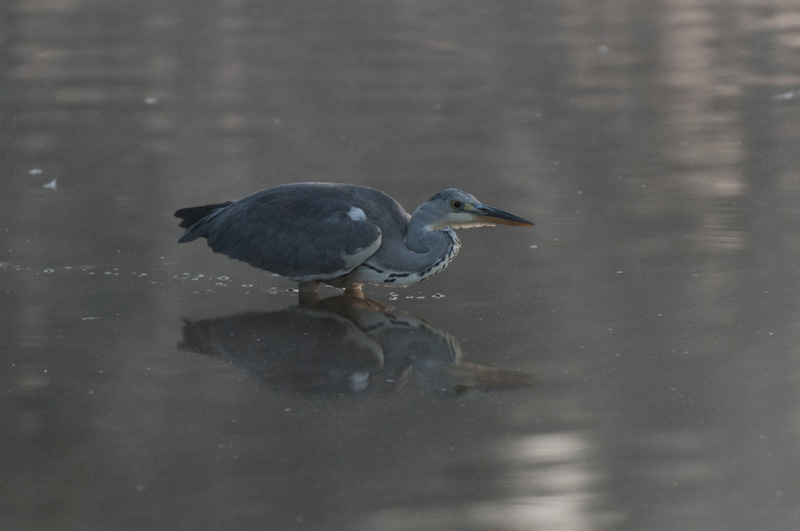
(34, 171)
(786, 95)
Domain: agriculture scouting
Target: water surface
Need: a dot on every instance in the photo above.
(152, 385)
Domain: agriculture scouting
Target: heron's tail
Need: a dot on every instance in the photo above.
(191, 216)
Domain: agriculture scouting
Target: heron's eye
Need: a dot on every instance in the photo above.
(455, 203)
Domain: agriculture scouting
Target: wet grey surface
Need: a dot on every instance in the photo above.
(150, 385)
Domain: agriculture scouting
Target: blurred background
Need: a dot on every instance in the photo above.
(631, 362)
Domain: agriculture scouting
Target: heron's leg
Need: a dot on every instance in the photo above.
(307, 292)
(354, 291)
(309, 286)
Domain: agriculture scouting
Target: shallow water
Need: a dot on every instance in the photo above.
(630, 362)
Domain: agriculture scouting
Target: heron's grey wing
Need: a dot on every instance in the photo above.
(303, 237)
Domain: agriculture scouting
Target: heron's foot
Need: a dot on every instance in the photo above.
(354, 291)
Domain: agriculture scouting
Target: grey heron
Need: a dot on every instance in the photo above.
(340, 234)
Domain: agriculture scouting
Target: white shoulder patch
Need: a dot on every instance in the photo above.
(356, 214)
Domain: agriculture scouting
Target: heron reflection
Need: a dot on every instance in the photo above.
(345, 345)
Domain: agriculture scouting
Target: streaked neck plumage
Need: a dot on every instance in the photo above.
(425, 252)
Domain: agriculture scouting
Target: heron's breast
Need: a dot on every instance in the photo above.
(373, 273)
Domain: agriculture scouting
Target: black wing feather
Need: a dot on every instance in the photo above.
(191, 215)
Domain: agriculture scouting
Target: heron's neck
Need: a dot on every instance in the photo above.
(430, 248)
(422, 253)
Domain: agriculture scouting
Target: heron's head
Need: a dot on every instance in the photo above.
(457, 209)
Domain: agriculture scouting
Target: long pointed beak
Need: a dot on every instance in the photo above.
(496, 216)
